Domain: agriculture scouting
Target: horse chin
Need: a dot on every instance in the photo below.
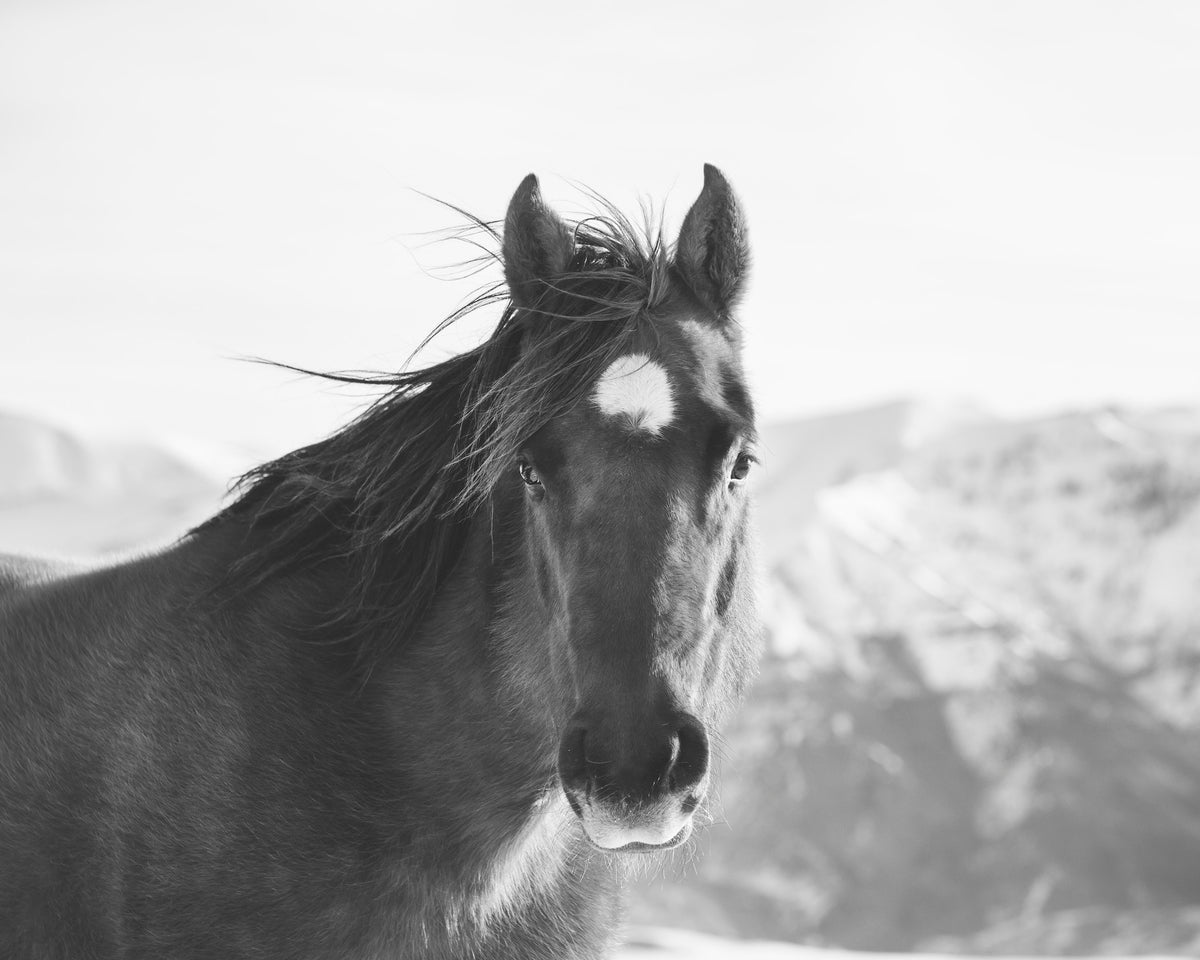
(651, 833)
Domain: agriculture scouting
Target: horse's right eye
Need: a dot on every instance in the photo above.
(741, 468)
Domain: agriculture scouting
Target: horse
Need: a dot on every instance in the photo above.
(426, 688)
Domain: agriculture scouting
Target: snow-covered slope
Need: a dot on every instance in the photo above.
(800, 458)
(1073, 537)
(60, 494)
(650, 943)
(981, 716)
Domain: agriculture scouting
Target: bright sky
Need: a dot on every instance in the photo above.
(998, 201)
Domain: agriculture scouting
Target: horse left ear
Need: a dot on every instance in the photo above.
(537, 244)
(713, 253)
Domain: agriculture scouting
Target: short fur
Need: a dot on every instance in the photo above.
(638, 391)
(326, 723)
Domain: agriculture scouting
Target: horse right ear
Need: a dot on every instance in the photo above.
(537, 244)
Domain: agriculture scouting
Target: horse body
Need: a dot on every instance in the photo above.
(234, 748)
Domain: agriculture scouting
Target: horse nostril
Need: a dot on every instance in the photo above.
(689, 761)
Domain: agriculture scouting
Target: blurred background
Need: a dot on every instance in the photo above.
(973, 330)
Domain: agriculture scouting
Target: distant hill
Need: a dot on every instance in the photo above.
(61, 494)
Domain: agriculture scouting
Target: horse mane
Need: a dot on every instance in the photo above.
(391, 495)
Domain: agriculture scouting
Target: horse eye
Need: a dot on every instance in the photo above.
(528, 473)
(741, 467)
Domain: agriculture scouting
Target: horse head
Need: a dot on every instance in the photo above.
(636, 519)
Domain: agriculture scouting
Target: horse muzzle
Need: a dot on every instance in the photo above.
(634, 788)
(643, 831)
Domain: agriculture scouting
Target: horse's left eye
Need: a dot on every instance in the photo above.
(741, 468)
(529, 474)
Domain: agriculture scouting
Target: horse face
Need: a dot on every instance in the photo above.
(638, 518)
(637, 530)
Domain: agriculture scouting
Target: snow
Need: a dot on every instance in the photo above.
(1077, 529)
(653, 943)
(74, 497)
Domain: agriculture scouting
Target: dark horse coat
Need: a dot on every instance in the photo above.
(427, 687)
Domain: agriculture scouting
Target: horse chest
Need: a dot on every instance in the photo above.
(534, 895)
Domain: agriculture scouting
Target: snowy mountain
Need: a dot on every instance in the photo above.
(1075, 537)
(980, 722)
(60, 494)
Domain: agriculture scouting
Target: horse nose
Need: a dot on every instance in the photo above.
(635, 764)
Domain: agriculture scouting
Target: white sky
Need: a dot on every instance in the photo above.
(990, 200)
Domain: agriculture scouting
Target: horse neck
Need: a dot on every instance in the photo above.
(456, 722)
(471, 688)
(462, 707)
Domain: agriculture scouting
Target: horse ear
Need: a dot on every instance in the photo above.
(712, 252)
(537, 244)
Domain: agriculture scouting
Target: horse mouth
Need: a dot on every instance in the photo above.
(641, 835)
(637, 846)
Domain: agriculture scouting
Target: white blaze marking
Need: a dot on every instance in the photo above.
(636, 387)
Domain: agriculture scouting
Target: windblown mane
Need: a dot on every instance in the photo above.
(392, 493)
